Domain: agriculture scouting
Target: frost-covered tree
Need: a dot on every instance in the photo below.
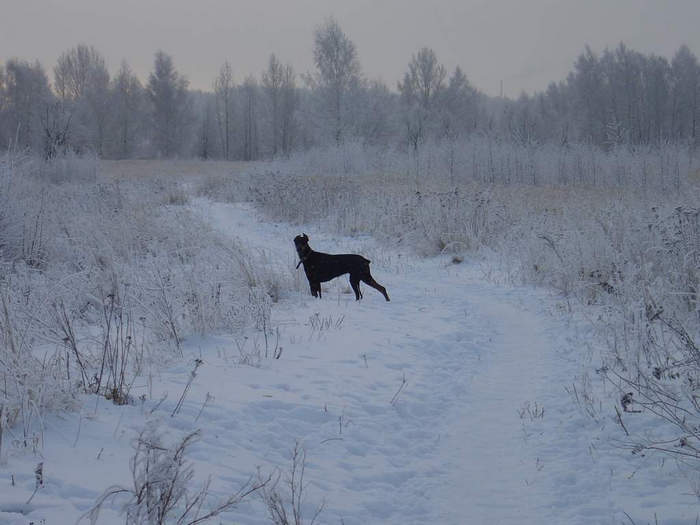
(4, 139)
(170, 106)
(588, 91)
(621, 70)
(338, 72)
(612, 99)
(98, 99)
(224, 91)
(81, 81)
(685, 79)
(424, 78)
(128, 98)
(656, 95)
(458, 106)
(623, 97)
(289, 102)
(208, 127)
(74, 71)
(279, 86)
(376, 109)
(251, 146)
(421, 86)
(272, 81)
(25, 97)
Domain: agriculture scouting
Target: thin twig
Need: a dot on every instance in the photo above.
(396, 395)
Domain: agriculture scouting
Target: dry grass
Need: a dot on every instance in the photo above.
(174, 169)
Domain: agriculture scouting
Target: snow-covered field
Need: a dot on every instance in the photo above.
(450, 404)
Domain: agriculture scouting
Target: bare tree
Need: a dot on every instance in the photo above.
(223, 88)
(335, 57)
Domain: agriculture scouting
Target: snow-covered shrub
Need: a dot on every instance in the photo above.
(68, 167)
(98, 277)
(228, 187)
(284, 494)
(162, 486)
(654, 359)
(490, 160)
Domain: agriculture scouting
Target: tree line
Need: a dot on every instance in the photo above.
(619, 97)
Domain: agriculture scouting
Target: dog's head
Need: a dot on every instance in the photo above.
(301, 243)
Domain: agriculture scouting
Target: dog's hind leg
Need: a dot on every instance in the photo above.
(367, 278)
(355, 283)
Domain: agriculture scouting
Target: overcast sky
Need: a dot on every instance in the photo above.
(524, 43)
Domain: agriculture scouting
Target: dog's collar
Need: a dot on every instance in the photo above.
(301, 260)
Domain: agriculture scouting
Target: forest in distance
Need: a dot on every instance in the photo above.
(611, 98)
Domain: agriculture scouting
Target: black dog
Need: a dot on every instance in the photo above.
(322, 267)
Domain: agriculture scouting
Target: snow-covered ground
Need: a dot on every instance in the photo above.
(446, 405)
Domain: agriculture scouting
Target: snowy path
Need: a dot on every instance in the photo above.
(466, 441)
(453, 441)
(463, 442)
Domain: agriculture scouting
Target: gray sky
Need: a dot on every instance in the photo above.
(525, 43)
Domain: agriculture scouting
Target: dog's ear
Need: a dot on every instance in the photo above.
(306, 237)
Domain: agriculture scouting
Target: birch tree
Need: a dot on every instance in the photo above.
(81, 81)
